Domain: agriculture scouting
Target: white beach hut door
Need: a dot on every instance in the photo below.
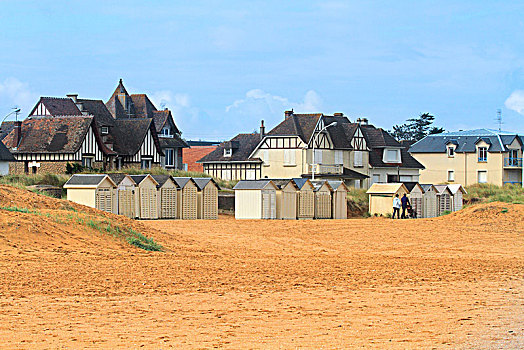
(104, 199)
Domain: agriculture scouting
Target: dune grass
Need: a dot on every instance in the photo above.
(492, 193)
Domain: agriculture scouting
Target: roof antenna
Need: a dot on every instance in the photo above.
(499, 119)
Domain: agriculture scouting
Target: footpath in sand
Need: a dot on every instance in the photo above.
(450, 282)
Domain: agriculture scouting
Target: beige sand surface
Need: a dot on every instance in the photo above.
(451, 282)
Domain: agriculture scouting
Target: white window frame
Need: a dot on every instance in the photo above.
(387, 152)
(482, 150)
(87, 162)
(478, 176)
(228, 152)
(451, 175)
(339, 157)
(168, 151)
(145, 164)
(104, 130)
(166, 132)
(451, 152)
(358, 161)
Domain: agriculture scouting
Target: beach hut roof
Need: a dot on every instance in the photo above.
(202, 182)
(386, 188)
(253, 184)
(454, 188)
(87, 180)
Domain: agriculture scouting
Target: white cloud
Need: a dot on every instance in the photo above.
(259, 99)
(14, 93)
(515, 101)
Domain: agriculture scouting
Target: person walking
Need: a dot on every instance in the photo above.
(405, 204)
(396, 206)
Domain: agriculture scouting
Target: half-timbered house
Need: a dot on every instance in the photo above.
(315, 145)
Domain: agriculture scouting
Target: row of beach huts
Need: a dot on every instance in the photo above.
(146, 196)
(427, 200)
(290, 199)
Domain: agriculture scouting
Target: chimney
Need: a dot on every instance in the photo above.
(365, 121)
(80, 106)
(338, 114)
(18, 132)
(359, 120)
(74, 97)
(288, 113)
(262, 130)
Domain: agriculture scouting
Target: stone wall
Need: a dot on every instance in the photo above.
(17, 168)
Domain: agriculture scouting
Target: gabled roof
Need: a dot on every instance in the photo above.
(318, 184)
(162, 179)
(6, 128)
(129, 135)
(5, 155)
(254, 185)
(202, 182)
(301, 125)
(386, 188)
(139, 178)
(58, 106)
(54, 135)
(442, 188)
(427, 187)
(454, 188)
(411, 185)
(143, 106)
(378, 138)
(87, 180)
(301, 182)
(118, 177)
(466, 141)
(98, 109)
(335, 185)
(182, 181)
(281, 183)
(246, 145)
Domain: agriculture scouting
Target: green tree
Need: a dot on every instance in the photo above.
(416, 128)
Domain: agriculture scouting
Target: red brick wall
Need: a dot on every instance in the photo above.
(191, 155)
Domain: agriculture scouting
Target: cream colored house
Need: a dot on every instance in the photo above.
(94, 190)
(332, 147)
(470, 157)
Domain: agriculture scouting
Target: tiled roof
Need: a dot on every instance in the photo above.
(98, 109)
(51, 134)
(377, 137)
(301, 125)
(376, 156)
(466, 141)
(246, 145)
(193, 154)
(58, 106)
(143, 106)
(5, 155)
(175, 141)
(6, 128)
(129, 135)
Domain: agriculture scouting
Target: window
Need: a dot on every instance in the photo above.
(392, 156)
(87, 162)
(357, 183)
(513, 158)
(228, 152)
(451, 175)
(289, 157)
(339, 157)
(483, 154)
(451, 152)
(166, 132)
(104, 130)
(482, 176)
(318, 156)
(406, 178)
(145, 164)
(170, 157)
(376, 178)
(357, 160)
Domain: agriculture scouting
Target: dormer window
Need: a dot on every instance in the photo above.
(451, 151)
(228, 152)
(391, 156)
(166, 132)
(482, 154)
(104, 130)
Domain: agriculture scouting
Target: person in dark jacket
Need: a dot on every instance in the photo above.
(405, 203)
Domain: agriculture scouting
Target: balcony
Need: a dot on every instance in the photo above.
(512, 162)
(328, 168)
(513, 183)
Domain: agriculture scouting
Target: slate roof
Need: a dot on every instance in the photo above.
(302, 125)
(335, 184)
(175, 141)
(300, 182)
(182, 181)
(6, 128)
(407, 160)
(202, 182)
(426, 187)
(5, 155)
(161, 179)
(246, 145)
(466, 141)
(410, 185)
(117, 177)
(143, 106)
(129, 134)
(281, 183)
(378, 138)
(441, 188)
(52, 135)
(346, 174)
(58, 106)
(98, 109)
(139, 178)
(85, 179)
(251, 184)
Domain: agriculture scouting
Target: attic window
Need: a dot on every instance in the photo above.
(228, 152)
(166, 132)
(104, 130)
(451, 151)
(392, 156)
(482, 154)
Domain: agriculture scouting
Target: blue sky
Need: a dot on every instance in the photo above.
(222, 66)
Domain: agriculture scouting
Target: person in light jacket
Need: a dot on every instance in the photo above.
(396, 206)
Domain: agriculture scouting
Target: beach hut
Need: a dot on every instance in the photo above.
(416, 195)
(457, 196)
(94, 190)
(323, 204)
(125, 194)
(187, 198)
(443, 199)
(255, 199)
(305, 198)
(146, 195)
(286, 199)
(207, 198)
(381, 197)
(340, 203)
(429, 199)
(166, 196)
